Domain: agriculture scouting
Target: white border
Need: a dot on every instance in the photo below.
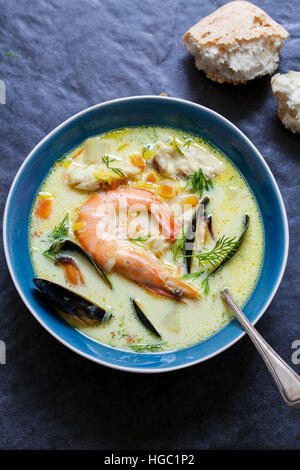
(125, 368)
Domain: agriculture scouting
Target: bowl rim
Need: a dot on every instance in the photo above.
(101, 361)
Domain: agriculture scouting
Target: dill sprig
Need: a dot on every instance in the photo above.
(10, 54)
(155, 134)
(193, 276)
(147, 347)
(221, 250)
(187, 142)
(204, 282)
(178, 246)
(236, 246)
(176, 146)
(198, 182)
(108, 161)
(57, 236)
(60, 231)
(140, 239)
(52, 252)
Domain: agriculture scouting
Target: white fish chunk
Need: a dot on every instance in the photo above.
(185, 161)
(97, 176)
(82, 177)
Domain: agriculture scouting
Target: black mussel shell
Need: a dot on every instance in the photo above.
(209, 225)
(204, 201)
(143, 319)
(190, 237)
(236, 246)
(77, 309)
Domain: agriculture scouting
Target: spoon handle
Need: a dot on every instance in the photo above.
(287, 381)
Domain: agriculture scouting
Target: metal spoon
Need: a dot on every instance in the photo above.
(287, 381)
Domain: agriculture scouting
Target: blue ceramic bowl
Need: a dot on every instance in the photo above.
(135, 111)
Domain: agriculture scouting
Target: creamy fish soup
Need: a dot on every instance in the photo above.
(134, 233)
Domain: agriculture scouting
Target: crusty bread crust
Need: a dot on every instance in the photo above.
(223, 80)
(235, 21)
(227, 80)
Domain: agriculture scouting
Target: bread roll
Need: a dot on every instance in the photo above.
(236, 43)
(286, 88)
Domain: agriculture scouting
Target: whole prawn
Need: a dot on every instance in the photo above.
(107, 244)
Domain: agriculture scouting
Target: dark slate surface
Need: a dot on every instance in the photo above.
(73, 54)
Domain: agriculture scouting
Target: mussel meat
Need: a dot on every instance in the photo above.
(69, 245)
(72, 271)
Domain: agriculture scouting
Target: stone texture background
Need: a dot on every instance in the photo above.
(73, 54)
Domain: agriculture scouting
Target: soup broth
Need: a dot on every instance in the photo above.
(154, 152)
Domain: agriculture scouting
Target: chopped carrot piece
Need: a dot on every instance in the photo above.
(81, 276)
(78, 153)
(130, 339)
(168, 191)
(72, 271)
(43, 208)
(152, 178)
(138, 161)
(192, 200)
(71, 274)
